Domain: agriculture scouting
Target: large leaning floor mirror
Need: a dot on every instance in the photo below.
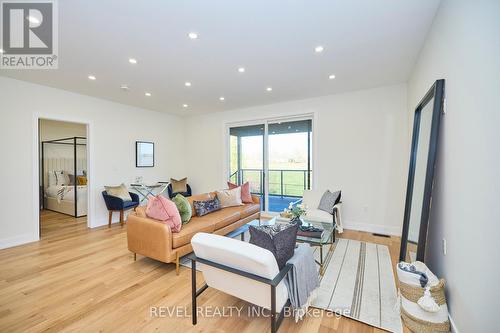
(421, 174)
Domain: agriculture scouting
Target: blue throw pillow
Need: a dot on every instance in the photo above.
(206, 207)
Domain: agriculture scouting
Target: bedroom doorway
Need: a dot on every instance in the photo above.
(63, 177)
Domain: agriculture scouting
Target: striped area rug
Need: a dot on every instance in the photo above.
(359, 283)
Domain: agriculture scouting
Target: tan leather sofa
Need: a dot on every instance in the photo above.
(155, 240)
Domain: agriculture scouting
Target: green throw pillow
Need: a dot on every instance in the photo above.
(184, 208)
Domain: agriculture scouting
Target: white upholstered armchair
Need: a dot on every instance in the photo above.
(311, 199)
(242, 270)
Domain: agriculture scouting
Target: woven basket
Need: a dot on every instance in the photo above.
(421, 326)
(413, 294)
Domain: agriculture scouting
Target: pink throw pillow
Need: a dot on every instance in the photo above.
(161, 209)
(246, 196)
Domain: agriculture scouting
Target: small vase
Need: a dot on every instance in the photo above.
(296, 220)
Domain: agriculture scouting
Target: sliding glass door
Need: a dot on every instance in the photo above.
(275, 157)
(246, 158)
(289, 162)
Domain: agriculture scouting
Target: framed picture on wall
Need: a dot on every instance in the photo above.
(144, 154)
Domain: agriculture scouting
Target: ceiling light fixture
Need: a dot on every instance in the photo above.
(147, 94)
(331, 76)
(132, 61)
(269, 89)
(319, 49)
(193, 35)
(241, 69)
(221, 98)
(187, 84)
(185, 105)
(33, 20)
(124, 87)
(92, 77)
(2, 51)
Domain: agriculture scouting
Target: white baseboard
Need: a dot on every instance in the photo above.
(17, 240)
(373, 228)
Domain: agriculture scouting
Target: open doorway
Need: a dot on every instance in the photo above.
(63, 177)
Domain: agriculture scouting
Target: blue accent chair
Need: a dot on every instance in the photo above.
(171, 194)
(115, 204)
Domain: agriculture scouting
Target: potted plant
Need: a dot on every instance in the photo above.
(295, 212)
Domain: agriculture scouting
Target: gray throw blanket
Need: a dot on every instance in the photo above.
(302, 280)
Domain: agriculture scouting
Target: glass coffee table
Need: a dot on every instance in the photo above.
(327, 238)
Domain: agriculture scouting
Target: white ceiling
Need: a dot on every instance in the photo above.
(367, 44)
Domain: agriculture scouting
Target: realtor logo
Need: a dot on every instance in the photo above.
(28, 35)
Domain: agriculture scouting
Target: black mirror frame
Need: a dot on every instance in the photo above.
(436, 93)
(137, 156)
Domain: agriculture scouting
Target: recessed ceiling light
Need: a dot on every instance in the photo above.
(91, 77)
(187, 84)
(269, 89)
(193, 35)
(185, 105)
(124, 87)
(2, 51)
(147, 94)
(221, 98)
(132, 61)
(241, 69)
(331, 76)
(319, 49)
(33, 20)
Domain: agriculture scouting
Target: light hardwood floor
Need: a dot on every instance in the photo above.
(81, 280)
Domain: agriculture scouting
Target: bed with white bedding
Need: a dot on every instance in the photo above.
(61, 198)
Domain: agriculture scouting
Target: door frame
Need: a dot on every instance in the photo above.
(266, 121)
(36, 165)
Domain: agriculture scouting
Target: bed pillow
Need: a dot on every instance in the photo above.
(206, 207)
(230, 198)
(58, 178)
(278, 238)
(328, 200)
(246, 196)
(163, 210)
(183, 207)
(52, 178)
(82, 180)
(119, 192)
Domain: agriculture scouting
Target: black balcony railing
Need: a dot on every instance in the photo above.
(282, 182)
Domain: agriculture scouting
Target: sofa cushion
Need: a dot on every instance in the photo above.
(230, 198)
(184, 208)
(197, 224)
(198, 197)
(207, 206)
(246, 196)
(248, 209)
(179, 186)
(224, 216)
(163, 210)
(317, 215)
(328, 200)
(119, 192)
(278, 238)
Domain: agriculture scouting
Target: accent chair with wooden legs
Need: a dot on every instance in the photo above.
(115, 204)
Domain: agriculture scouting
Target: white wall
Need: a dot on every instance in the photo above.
(463, 47)
(113, 127)
(361, 148)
